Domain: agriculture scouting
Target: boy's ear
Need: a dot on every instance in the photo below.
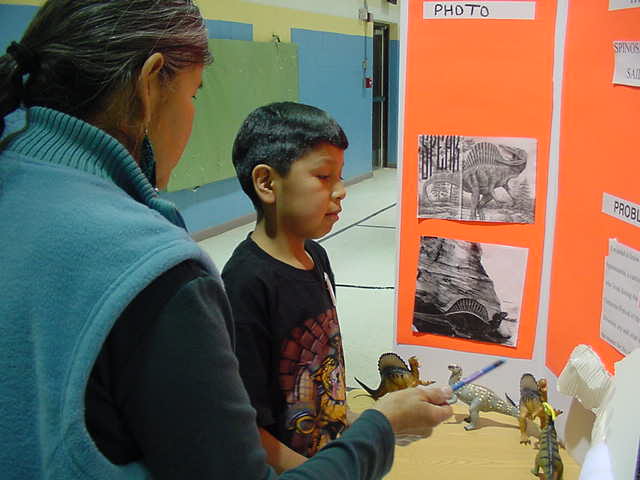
(263, 177)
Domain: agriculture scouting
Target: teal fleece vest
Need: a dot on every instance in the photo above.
(81, 234)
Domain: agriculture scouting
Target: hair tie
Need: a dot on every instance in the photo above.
(25, 58)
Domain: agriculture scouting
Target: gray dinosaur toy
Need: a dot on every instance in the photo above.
(479, 399)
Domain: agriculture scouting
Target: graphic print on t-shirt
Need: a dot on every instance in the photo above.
(312, 379)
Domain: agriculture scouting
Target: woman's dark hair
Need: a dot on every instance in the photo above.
(279, 134)
(79, 53)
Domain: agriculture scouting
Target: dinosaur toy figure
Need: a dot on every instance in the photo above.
(466, 318)
(479, 399)
(548, 458)
(395, 375)
(542, 389)
(484, 170)
(531, 406)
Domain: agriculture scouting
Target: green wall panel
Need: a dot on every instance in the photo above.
(243, 76)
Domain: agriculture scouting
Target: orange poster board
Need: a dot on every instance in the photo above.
(598, 154)
(485, 78)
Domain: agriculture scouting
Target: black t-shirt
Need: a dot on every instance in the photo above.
(288, 344)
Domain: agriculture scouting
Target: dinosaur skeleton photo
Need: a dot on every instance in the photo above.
(482, 179)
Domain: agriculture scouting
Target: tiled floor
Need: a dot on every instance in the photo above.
(362, 250)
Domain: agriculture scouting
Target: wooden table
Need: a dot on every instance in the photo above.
(492, 452)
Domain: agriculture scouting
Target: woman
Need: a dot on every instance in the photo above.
(114, 326)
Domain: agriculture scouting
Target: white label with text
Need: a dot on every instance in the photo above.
(480, 10)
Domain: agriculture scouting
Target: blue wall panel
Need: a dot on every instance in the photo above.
(15, 20)
(230, 30)
(331, 78)
(212, 204)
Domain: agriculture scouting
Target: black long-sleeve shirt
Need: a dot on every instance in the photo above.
(165, 390)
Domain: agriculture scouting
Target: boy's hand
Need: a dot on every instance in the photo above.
(417, 410)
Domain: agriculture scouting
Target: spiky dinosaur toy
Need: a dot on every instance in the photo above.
(548, 458)
(479, 399)
(395, 375)
(542, 389)
(530, 406)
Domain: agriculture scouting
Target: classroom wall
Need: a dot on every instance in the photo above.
(382, 10)
(332, 45)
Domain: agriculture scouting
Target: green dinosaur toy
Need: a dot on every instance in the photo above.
(548, 458)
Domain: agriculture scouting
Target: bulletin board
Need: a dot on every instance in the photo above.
(482, 78)
(598, 154)
(243, 76)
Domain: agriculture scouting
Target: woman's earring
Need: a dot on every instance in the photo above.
(147, 160)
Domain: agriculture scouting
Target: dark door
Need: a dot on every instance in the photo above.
(380, 94)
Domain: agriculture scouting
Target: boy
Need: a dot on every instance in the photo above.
(289, 159)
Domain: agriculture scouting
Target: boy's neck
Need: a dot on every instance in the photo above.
(282, 247)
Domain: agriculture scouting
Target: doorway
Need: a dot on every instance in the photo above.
(380, 92)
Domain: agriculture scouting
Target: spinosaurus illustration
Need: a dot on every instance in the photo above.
(483, 171)
(395, 375)
(466, 318)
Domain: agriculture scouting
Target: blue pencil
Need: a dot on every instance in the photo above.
(473, 376)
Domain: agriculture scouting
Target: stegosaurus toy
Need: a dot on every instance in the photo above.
(548, 458)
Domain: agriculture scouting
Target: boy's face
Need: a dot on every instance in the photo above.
(309, 198)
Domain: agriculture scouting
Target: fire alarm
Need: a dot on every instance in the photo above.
(368, 82)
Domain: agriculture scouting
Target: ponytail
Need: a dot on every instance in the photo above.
(17, 62)
(10, 87)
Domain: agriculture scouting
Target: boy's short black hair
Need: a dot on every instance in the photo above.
(277, 135)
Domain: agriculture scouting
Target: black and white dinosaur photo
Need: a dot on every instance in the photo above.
(485, 179)
(469, 290)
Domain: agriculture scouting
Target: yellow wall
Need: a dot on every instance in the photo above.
(268, 20)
